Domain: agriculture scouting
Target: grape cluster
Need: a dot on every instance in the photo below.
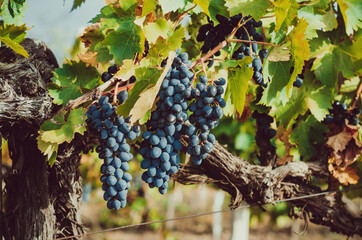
(339, 114)
(263, 120)
(109, 74)
(113, 132)
(248, 32)
(206, 109)
(161, 142)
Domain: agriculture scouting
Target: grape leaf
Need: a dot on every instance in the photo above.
(72, 81)
(285, 12)
(204, 4)
(350, 85)
(171, 6)
(164, 46)
(314, 20)
(75, 123)
(296, 106)
(330, 60)
(318, 100)
(145, 77)
(279, 74)
(77, 4)
(160, 28)
(300, 50)
(125, 41)
(351, 11)
(15, 33)
(89, 58)
(255, 8)
(280, 53)
(238, 79)
(48, 149)
(307, 136)
(148, 6)
(347, 175)
(16, 47)
(217, 7)
(13, 11)
(329, 21)
(148, 96)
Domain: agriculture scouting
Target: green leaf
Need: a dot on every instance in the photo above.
(171, 6)
(72, 81)
(351, 11)
(204, 4)
(15, 33)
(300, 50)
(308, 136)
(75, 123)
(164, 46)
(238, 79)
(16, 47)
(76, 4)
(125, 41)
(217, 7)
(285, 12)
(296, 106)
(330, 60)
(12, 11)
(350, 85)
(318, 100)
(255, 8)
(148, 96)
(314, 20)
(329, 21)
(48, 149)
(148, 6)
(146, 77)
(279, 75)
(160, 28)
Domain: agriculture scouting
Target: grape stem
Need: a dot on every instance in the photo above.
(226, 42)
(92, 95)
(357, 95)
(181, 16)
(247, 41)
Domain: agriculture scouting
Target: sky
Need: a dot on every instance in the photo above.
(56, 25)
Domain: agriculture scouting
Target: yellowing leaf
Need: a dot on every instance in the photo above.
(148, 6)
(48, 149)
(148, 96)
(285, 10)
(300, 51)
(75, 123)
(160, 28)
(351, 11)
(204, 4)
(238, 79)
(16, 47)
(89, 57)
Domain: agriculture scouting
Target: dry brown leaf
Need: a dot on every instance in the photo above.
(339, 141)
(89, 57)
(283, 135)
(347, 175)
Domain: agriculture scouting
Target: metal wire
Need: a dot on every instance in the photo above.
(206, 213)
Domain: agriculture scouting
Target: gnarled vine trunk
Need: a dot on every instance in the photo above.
(41, 202)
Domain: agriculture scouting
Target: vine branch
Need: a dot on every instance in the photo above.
(357, 95)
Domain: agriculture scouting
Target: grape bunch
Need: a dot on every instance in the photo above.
(206, 109)
(249, 33)
(263, 120)
(113, 132)
(109, 73)
(161, 142)
(339, 114)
